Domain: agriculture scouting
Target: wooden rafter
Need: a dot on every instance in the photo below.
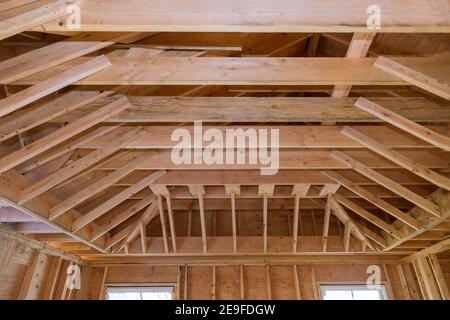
(433, 84)
(52, 84)
(434, 138)
(398, 158)
(60, 135)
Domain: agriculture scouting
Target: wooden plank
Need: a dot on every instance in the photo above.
(326, 224)
(295, 222)
(60, 135)
(268, 109)
(380, 203)
(12, 183)
(296, 283)
(398, 158)
(33, 116)
(232, 191)
(173, 235)
(347, 233)
(163, 223)
(434, 138)
(143, 238)
(428, 279)
(291, 137)
(199, 192)
(78, 166)
(32, 275)
(114, 201)
(358, 48)
(439, 276)
(388, 183)
(368, 216)
(53, 84)
(123, 216)
(415, 77)
(11, 4)
(256, 16)
(239, 71)
(56, 53)
(97, 186)
(19, 19)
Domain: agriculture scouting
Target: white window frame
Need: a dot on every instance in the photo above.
(142, 288)
(351, 287)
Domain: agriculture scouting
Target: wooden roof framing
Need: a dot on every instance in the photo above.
(87, 116)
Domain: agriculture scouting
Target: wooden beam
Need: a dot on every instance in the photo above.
(358, 48)
(268, 109)
(11, 185)
(232, 191)
(415, 76)
(114, 201)
(199, 192)
(347, 233)
(163, 223)
(421, 132)
(173, 235)
(239, 71)
(78, 166)
(380, 203)
(426, 275)
(35, 115)
(265, 191)
(326, 224)
(52, 84)
(56, 53)
(143, 237)
(327, 189)
(32, 276)
(342, 215)
(26, 17)
(255, 258)
(380, 223)
(387, 183)
(99, 186)
(250, 16)
(60, 135)
(398, 158)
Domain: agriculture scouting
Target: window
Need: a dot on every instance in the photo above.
(139, 293)
(353, 292)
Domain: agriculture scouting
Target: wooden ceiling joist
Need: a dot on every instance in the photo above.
(39, 146)
(239, 71)
(255, 16)
(52, 84)
(270, 109)
(288, 159)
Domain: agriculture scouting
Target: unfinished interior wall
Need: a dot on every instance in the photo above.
(254, 282)
(30, 272)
